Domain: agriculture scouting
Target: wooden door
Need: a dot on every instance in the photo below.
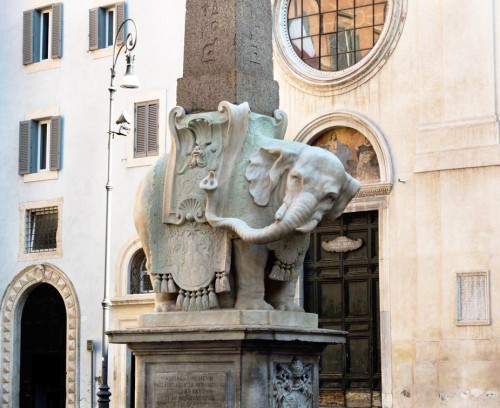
(343, 289)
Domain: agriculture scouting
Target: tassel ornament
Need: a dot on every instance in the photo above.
(180, 300)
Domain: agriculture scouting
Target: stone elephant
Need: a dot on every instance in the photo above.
(268, 199)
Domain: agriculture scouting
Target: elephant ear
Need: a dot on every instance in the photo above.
(266, 170)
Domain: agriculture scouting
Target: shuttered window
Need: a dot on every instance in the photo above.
(40, 145)
(42, 34)
(104, 23)
(146, 129)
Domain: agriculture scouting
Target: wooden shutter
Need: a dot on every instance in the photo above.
(56, 51)
(152, 148)
(140, 129)
(55, 142)
(93, 29)
(28, 23)
(24, 147)
(28, 146)
(120, 17)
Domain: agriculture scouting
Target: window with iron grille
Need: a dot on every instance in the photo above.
(139, 276)
(41, 229)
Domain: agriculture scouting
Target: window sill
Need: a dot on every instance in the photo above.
(142, 161)
(132, 300)
(43, 65)
(45, 175)
(35, 256)
(101, 52)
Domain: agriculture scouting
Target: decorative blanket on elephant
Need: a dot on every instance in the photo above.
(191, 259)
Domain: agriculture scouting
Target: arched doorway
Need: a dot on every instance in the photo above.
(43, 349)
(343, 278)
(11, 311)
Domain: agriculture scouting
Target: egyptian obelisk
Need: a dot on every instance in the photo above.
(228, 56)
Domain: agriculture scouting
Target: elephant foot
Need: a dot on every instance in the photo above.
(288, 307)
(165, 302)
(252, 304)
(165, 307)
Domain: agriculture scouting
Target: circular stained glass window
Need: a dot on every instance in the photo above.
(333, 35)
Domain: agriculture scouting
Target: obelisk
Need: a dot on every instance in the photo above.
(228, 56)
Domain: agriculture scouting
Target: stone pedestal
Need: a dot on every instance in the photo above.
(227, 359)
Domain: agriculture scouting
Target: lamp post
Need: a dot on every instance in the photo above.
(128, 81)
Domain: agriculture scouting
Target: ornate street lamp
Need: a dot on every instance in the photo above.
(129, 80)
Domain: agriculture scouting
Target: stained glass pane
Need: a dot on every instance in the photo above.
(295, 9)
(328, 5)
(345, 4)
(364, 17)
(329, 23)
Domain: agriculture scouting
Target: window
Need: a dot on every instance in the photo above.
(41, 229)
(42, 34)
(332, 35)
(336, 45)
(139, 276)
(40, 234)
(146, 128)
(103, 26)
(40, 145)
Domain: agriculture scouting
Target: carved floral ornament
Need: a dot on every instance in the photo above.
(17, 291)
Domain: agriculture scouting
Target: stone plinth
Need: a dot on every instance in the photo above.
(228, 56)
(227, 359)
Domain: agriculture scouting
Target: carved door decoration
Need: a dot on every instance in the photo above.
(343, 288)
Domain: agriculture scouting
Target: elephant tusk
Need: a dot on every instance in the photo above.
(308, 227)
(281, 212)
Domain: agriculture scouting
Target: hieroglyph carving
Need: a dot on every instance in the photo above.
(210, 31)
(31, 276)
(292, 385)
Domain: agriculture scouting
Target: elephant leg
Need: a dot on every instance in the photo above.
(165, 302)
(282, 294)
(250, 261)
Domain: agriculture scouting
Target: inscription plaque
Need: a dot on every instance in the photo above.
(190, 390)
(472, 298)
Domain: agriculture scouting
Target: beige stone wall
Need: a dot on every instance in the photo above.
(435, 101)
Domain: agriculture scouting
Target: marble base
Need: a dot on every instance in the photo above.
(230, 317)
(199, 362)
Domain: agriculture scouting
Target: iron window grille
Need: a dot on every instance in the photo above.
(139, 276)
(41, 229)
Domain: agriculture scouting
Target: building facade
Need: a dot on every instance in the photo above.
(405, 92)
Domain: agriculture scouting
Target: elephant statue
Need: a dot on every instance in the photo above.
(234, 205)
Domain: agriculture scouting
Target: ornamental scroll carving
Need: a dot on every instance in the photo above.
(292, 385)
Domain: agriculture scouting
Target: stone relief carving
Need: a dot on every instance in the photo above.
(34, 275)
(233, 189)
(292, 385)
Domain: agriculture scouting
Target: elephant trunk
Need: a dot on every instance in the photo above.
(297, 214)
